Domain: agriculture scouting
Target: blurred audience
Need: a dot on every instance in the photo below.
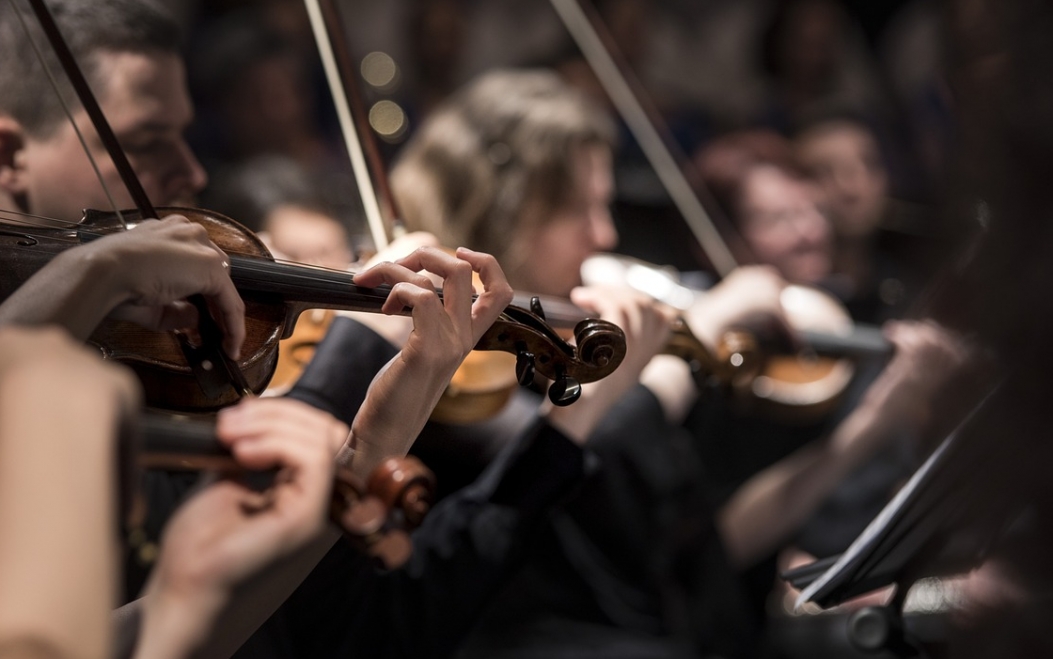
(277, 198)
(759, 186)
(885, 249)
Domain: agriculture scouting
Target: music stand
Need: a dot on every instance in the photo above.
(943, 522)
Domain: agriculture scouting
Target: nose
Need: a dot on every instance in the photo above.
(602, 233)
(188, 177)
(812, 225)
(850, 177)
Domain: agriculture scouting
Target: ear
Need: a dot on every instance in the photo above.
(12, 142)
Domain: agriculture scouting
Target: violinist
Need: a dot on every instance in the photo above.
(784, 218)
(520, 163)
(132, 61)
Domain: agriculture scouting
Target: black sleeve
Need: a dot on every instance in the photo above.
(344, 364)
(469, 543)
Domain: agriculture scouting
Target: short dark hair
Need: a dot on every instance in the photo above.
(90, 27)
(251, 189)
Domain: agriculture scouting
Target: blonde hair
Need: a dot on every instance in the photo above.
(493, 162)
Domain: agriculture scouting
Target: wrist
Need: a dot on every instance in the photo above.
(102, 278)
(709, 318)
(669, 378)
(174, 623)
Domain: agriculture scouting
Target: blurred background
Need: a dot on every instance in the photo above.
(707, 69)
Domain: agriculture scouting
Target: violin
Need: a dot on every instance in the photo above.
(275, 294)
(481, 387)
(735, 360)
(376, 516)
(794, 382)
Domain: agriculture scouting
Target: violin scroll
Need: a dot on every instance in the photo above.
(378, 515)
(539, 350)
(405, 486)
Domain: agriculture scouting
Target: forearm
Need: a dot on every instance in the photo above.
(398, 404)
(57, 520)
(215, 625)
(74, 290)
(669, 379)
(769, 507)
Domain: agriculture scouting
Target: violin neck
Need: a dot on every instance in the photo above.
(303, 287)
(863, 342)
(179, 443)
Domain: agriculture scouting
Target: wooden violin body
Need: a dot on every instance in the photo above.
(275, 294)
(296, 351)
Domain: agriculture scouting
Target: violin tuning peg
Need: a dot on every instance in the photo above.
(525, 368)
(365, 518)
(564, 391)
(535, 307)
(392, 549)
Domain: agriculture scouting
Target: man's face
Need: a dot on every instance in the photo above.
(845, 162)
(782, 225)
(146, 103)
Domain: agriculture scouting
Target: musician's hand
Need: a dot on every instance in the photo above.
(927, 358)
(45, 363)
(748, 297)
(646, 324)
(142, 275)
(227, 532)
(396, 329)
(445, 330)
(158, 264)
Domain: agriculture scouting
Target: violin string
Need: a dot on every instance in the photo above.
(30, 220)
(66, 109)
(303, 273)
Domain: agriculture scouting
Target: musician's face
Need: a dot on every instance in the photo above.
(782, 224)
(306, 236)
(578, 230)
(146, 103)
(845, 162)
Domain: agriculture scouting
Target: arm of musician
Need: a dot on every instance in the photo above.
(141, 275)
(769, 507)
(227, 533)
(403, 395)
(60, 412)
(646, 324)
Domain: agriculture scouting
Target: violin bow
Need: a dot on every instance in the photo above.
(212, 367)
(626, 93)
(354, 123)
